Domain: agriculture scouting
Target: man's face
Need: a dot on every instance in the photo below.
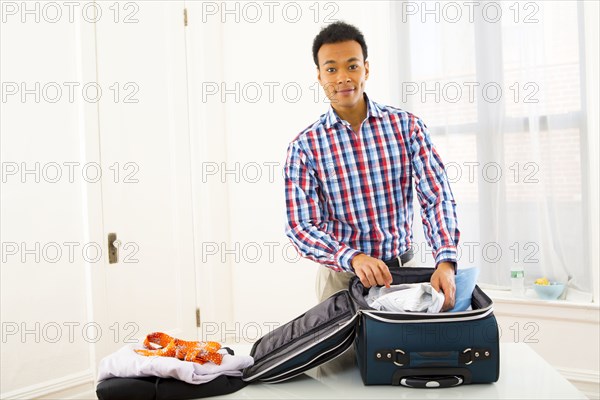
(343, 72)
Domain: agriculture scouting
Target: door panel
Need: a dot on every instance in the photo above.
(144, 147)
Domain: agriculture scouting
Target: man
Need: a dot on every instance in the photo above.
(348, 180)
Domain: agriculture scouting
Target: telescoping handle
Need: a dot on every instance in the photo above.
(431, 377)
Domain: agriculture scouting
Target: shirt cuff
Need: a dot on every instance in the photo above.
(344, 258)
(446, 254)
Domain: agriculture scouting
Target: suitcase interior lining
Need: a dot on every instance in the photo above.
(479, 300)
(310, 323)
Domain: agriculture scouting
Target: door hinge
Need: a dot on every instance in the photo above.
(198, 317)
(185, 18)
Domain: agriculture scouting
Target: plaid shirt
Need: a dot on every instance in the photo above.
(349, 193)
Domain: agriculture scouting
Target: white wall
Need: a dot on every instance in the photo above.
(42, 296)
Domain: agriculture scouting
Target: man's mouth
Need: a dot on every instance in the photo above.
(346, 91)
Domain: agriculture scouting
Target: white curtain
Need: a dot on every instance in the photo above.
(501, 90)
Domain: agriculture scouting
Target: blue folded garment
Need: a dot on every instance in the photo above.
(465, 281)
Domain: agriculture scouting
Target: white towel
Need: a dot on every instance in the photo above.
(126, 363)
(416, 297)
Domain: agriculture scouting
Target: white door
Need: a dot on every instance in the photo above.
(144, 152)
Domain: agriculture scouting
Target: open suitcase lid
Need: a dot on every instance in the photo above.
(315, 337)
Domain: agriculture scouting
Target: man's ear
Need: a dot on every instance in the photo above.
(366, 70)
(319, 75)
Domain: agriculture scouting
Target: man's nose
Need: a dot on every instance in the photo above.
(343, 78)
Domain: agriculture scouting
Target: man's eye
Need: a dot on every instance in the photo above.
(354, 66)
(330, 69)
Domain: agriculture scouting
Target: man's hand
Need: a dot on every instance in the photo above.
(372, 271)
(443, 278)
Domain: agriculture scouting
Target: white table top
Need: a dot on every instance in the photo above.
(523, 375)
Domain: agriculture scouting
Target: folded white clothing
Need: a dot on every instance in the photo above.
(415, 297)
(126, 363)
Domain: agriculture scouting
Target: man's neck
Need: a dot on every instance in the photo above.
(354, 115)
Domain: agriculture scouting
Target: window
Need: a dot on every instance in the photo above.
(500, 90)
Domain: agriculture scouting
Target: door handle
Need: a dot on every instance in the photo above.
(113, 248)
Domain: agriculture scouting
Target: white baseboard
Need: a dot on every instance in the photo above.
(52, 386)
(86, 392)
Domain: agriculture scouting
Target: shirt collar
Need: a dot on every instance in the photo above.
(373, 110)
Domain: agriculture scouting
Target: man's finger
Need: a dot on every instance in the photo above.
(369, 276)
(362, 278)
(387, 275)
(380, 275)
(435, 283)
(449, 293)
(447, 306)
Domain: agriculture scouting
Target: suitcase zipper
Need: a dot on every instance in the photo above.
(426, 320)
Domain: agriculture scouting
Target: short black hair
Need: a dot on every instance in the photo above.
(338, 32)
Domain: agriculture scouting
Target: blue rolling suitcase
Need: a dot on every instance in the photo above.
(409, 349)
(426, 350)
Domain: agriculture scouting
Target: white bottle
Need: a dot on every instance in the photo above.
(517, 279)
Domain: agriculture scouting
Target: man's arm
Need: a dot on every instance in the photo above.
(304, 215)
(304, 226)
(438, 209)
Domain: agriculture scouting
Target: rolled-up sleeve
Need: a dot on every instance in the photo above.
(304, 215)
(438, 208)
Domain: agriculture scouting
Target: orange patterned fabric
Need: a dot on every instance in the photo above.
(167, 346)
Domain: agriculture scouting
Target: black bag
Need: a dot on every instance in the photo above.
(409, 349)
(153, 388)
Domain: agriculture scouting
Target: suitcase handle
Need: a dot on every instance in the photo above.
(431, 381)
(431, 377)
